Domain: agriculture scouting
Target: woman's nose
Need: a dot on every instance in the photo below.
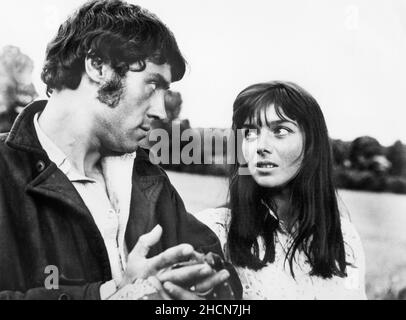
(264, 144)
(263, 151)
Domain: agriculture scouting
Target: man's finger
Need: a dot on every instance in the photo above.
(179, 293)
(158, 285)
(171, 256)
(212, 281)
(146, 241)
(186, 275)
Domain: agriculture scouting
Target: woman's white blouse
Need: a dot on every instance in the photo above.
(275, 282)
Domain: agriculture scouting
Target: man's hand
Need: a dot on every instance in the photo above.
(195, 278)
(201, 285)
(187, 282)
(139, 267)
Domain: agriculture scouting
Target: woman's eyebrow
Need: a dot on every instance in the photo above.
(282, 121)
(271, 124)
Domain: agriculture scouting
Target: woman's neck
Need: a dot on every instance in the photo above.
(281, 200)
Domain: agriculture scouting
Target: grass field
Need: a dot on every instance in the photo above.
(380, 219)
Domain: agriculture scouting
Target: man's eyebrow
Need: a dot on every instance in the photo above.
(162, 82)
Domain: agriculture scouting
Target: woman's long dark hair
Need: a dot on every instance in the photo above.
(313, 201)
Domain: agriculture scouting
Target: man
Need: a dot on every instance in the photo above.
(77, 194)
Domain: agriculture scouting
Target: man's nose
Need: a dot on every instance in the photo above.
(157, 108)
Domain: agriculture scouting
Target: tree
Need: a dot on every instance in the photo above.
(397, 156)
(366, 153)
(173, 104)
(16, 87)
(341, 150)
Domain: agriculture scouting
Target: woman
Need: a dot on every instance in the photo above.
(283, 230)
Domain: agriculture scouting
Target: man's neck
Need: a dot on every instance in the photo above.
(67, 120)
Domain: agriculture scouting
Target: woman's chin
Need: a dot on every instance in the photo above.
(267, 182)
(270, 182)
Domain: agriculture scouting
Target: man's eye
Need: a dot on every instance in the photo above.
(281, 132)
(251, 134)
(154, 85)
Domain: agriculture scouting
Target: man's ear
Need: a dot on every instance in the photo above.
(96, 70)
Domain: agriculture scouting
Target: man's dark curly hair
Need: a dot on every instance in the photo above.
(115, 33)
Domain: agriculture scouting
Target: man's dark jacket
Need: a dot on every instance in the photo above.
(44, 221)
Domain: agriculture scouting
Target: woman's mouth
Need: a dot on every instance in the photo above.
(266, 165)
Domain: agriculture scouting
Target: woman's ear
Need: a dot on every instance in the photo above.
(97, 70)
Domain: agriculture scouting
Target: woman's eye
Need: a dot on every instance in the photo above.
(250, 134)
(280, 132)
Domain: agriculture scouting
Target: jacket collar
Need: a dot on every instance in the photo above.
(22, 135)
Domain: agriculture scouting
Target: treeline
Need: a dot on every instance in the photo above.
(364, 164)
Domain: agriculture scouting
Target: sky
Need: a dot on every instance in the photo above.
(349, 54)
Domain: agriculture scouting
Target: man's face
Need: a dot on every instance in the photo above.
(130, 104)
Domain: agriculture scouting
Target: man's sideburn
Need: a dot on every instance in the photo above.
(111, 91)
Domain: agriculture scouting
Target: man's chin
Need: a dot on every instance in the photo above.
(114, 153)
(119, 150)
(144, 143)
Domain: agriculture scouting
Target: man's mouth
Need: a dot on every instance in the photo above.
(266, 165)
(145, 128)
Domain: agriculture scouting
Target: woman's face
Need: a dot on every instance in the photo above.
(274, 151)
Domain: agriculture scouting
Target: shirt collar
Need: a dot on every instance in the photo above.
(56, 155)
